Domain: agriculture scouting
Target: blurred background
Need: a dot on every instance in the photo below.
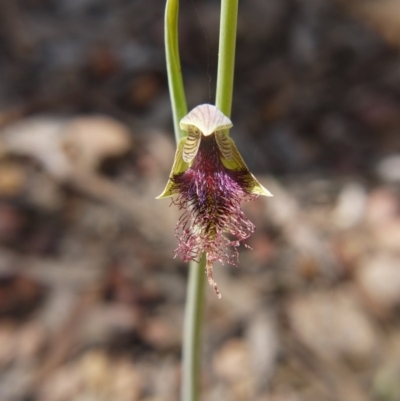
(91, 299)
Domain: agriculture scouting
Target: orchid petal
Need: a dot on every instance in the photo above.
(178, 167)
(207, 119)
(237, 163)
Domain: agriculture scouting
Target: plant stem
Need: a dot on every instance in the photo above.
(191, 347)
(226, 61)
(175, 81)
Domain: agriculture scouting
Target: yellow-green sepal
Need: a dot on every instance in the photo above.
(178, 167)
(237, 163)
(258, 189)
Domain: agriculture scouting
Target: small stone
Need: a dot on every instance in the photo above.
(333, 324)
(232, 361)
(87, 141)
(387, 235)
(350, 207)
(161, 333)
(12, 179)
(382, 205)
(388, 169)
(379, 278)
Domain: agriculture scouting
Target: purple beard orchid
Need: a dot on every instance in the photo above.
(210, 180)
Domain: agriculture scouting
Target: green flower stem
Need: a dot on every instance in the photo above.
(226, 60)
(192, 329)
(175, 81)
(191, 348)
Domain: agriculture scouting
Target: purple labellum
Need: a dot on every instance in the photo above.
(210, 196)
(210, 181)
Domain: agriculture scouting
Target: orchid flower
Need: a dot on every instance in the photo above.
(210, 180)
